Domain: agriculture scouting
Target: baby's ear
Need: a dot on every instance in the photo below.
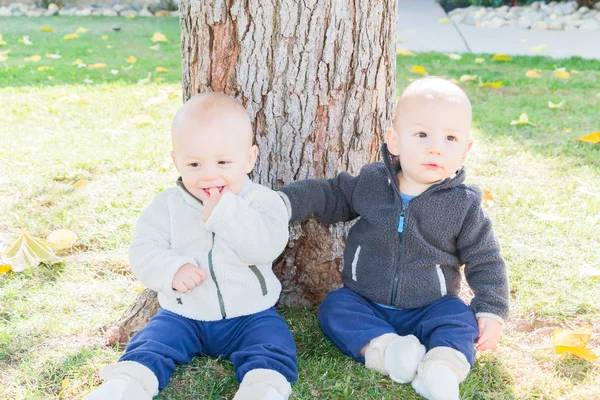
(252, 158)
(391, 139)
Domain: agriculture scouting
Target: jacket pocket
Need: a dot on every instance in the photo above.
(355, 263)
(260, 277)
(442, 279)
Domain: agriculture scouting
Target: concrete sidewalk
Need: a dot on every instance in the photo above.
(418, 24)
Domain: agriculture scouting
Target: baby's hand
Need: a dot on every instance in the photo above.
(489, 333)
(187, 277)
(209, 202)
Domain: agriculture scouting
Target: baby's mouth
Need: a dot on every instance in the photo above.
(207, 190)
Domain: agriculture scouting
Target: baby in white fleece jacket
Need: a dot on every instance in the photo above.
(207, 248)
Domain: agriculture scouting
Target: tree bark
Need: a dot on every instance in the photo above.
(318, 80)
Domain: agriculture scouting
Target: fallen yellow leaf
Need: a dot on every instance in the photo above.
(445, 20)
(3, 57)
(108, 46)
(47, 28)
(143, 120)
(53, 56)
(479, 60)
(3, 43)
(160, 79)
(61, 239)
(97, 66)
(71, 36)
(104, 37)
(161, 69)
(562, 73)
(487, 195)
(145, 80)
(77, 62)
(131, 59)
(34, 58)
(44, 68)
(493, 85)
(417, 69)
(538, 49)
(532, 73)
(27, 251)
(465, 78)
(523, 120)
(73, 98)
(501, 57)
(4, 268)
(130, 16)
(159, 37)
(567, 341)
(454, 56)
(559, 105)
(403, 52)
(138, 286)
(81, 29)
(593, 138)
(81, 183)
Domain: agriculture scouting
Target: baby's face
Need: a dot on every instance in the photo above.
(432, 139)
(217, 155)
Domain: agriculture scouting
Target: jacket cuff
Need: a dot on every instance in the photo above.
(491, 316)
(288, 205)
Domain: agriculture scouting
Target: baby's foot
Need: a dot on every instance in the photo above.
(402, 357)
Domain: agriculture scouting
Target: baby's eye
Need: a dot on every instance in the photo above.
(194, 165)
(224, 162)
(452, 138)
(421, 134)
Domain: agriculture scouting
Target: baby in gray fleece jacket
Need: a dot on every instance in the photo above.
(398, 311)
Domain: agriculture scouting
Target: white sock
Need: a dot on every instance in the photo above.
(395, 355)
(440, 373)
(126, 380)
(263, 384)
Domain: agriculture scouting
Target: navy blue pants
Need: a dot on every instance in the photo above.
(351, 321)
(261, 340)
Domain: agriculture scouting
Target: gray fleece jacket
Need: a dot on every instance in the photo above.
(444, 228)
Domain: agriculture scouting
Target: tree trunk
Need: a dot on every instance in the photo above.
(318, 80)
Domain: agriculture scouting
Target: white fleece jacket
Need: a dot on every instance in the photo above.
(236, 248)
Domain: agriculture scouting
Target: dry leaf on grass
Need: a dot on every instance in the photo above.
(567, 341)
(593, 138)
(61, 239)
(28, 251)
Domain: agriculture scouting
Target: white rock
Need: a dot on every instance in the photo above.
(5, 12)
(144, 12)
(67, 12)
(119, 7)
(540, 26)
(109, 12)
(583, 10)
(590, 25)
(128, 13)
(524, 22)
(555, 26)
(34, 13)
(84, 12)
(598, 16)
(52, 10)
(576, 23)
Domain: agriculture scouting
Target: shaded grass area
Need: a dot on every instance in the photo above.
(109, 41)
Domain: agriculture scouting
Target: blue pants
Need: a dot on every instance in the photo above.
(261, 340)
(351, 321)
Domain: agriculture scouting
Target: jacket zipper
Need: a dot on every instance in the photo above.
(397, 272)
(214, 278)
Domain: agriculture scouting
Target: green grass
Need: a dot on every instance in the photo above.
(51, 343)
